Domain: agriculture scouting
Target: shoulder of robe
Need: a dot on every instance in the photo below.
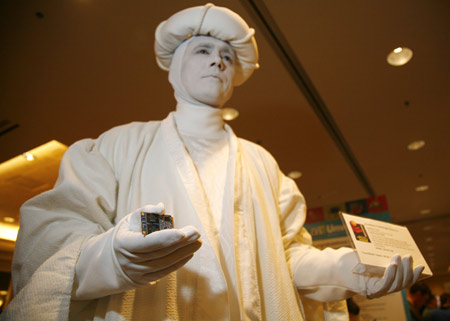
(124, 139)
(264, 161)
(256, 150)
(116, 142)
(132, 132)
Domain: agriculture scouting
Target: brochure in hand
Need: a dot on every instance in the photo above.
(377, 241)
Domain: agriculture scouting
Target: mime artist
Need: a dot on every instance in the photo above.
(238, 251)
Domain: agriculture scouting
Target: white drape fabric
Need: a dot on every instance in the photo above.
(203, 135)
(144, 163)
(202, 131)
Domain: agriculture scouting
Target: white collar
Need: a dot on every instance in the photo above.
(199, 121)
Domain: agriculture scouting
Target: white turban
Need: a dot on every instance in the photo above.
(208, 20)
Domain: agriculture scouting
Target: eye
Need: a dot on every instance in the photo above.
(202, 52)
(227, 58)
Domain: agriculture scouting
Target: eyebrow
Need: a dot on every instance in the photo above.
(206, 45)
(203, 45)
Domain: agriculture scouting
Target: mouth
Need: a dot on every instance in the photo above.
(214, 77)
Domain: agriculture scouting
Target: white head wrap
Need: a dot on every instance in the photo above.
(181, 94)
(208, 20)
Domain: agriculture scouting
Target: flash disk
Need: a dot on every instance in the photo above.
(152, 222)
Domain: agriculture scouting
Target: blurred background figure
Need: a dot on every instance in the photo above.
(439, 311)
(418, 297)
(353, 310)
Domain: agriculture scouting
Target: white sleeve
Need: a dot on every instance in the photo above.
(97, 272)
(326, 275)
(81, 204)
(319, 275)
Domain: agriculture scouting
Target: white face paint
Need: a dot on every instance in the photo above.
(207, 70)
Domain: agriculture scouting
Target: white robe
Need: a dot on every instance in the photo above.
(145, 163)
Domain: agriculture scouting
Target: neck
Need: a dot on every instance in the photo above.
(199, 121)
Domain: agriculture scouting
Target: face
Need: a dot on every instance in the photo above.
(208, 69)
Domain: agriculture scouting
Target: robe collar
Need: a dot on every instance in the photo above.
(199, 121)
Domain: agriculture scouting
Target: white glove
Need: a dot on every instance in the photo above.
(398, 275)
(122, 258)
(149, 258)
(327, 275)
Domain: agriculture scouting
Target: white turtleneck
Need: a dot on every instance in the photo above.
(202, 131)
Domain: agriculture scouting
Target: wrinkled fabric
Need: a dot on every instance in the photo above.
(157, 168)
(144, 163)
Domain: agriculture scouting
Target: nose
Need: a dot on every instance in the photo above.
(218, 62)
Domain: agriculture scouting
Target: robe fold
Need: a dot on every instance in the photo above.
(127, 167)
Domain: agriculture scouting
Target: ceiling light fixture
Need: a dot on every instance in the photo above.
(8, 231)
(229, 113)
(52, 150)
(9, 219)
(418, 144)
(295, 174)
(422, 188)
(425, 211)
(399, 56)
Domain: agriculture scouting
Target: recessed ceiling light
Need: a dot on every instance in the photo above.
(9, 219)
(429, 239)
(422, 188)
(28, 156)
(229, 113)
(425, 211)
(430, 249)
(8, 231)
(427, 228)
(399, 56)
(418, 144)
(295, 174)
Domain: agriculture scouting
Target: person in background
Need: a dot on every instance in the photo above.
(238, 251)
(441, 312)
(419, 295)
(433, 303)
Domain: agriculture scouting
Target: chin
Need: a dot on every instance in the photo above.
(213, 104)
(216, 102)
(212, 96)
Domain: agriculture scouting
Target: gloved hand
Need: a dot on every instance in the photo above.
(327, 275)
(149, 258)
(398, 275)
(122, 258)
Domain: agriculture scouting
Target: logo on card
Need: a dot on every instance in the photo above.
(360, 232)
